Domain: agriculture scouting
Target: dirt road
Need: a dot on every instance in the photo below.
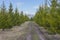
(27, 31)
(35, 33)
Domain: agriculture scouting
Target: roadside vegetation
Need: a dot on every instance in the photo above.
(49, 16)
(10, 18)
(46, 16)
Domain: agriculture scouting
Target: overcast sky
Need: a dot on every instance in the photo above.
(28, 6)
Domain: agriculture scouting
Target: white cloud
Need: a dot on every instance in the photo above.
(26, 12)
(36, 7)
(18, 4)
(29, 13)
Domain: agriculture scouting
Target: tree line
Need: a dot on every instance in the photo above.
(49, 16)
(10, 18)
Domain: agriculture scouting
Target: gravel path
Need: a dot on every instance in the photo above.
(27, 31)
(15, 33)
(29, 36)
(33, 29)
(37, 33)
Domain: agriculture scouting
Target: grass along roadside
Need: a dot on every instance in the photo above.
(34, 35)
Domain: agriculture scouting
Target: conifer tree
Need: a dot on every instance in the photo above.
(49, 17)
(8, 19)
(3, 22)
(16, 17)
(10, 16)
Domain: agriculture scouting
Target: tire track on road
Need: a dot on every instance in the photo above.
(29, 34)
(40, 33)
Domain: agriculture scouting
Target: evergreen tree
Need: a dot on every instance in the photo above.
(49, 17)
(16, 17)
(3, 21)
(8, 19)
(3, 9)
(10, 16)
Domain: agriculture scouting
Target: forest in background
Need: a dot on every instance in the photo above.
(49, 16)
(46, 16)
(10, 18)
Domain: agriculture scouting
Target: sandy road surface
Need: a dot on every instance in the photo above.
(27, 31)
(14, 33)
(38, 33)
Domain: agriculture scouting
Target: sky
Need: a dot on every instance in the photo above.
(28, 6)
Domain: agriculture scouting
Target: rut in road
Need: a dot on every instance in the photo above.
(34, 33)
(27, 31)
